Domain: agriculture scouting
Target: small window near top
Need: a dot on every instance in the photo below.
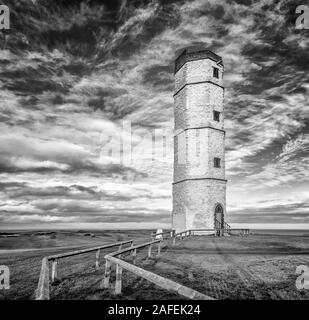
(216, 115)
(215, 72)
(217, 162)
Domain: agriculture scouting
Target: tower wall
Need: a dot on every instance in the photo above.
(194, 203)
(194, 105)
(198, 185)
(194, 153)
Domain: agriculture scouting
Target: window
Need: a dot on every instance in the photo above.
(216, 115)
(215, 72)
(217, 162)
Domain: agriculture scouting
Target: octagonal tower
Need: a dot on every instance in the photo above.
(199, 187)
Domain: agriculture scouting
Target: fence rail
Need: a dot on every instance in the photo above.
(190, 232)
(77, 252)
(133, 249)
(42, 292)
(153, 278)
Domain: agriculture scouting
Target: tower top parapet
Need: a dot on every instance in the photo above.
(193, 53)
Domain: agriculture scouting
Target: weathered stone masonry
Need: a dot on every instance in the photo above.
(199, 187)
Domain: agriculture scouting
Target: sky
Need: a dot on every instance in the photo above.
(74, 74)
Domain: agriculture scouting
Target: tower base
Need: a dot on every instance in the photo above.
(194, 203)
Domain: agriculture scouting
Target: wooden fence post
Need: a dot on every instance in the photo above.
(107, 274)
(54, 270)
(120, 247)
(118, 279)
(149, 251)
(159, 249)
(134, 256)
(42, 292)
(97, 256)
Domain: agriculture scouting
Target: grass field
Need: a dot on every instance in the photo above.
(252, 267)
(23, 255)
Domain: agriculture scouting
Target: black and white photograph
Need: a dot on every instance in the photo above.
(154, 150)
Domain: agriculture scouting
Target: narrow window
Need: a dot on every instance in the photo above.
(217, 162)
(217, 116)
(215, 72)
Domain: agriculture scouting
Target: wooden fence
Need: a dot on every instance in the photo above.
(192, 232)
(42, 292)
(149, 276)
(161, 235)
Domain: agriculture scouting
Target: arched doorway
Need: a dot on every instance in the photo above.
(219, 219)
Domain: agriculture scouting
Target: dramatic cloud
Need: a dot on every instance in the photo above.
(75, 74)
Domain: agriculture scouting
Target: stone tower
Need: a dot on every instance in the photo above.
(199, 187)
